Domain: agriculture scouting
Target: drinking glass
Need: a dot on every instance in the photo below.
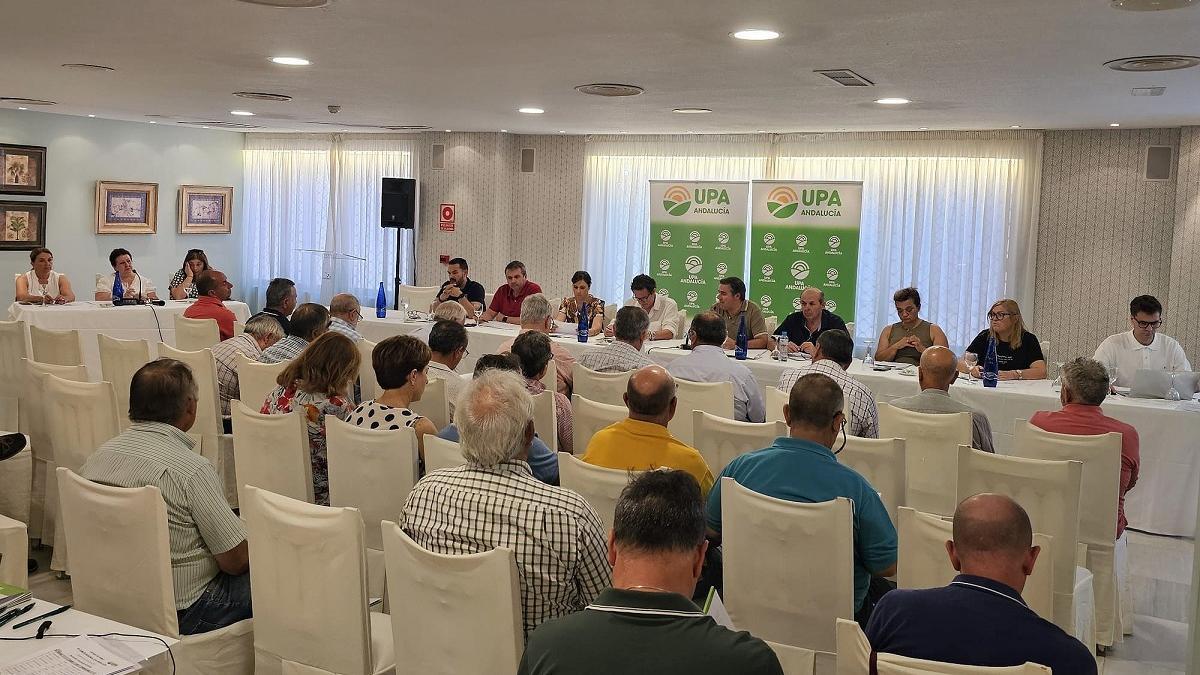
(1112, 375)
(869, 357)
(404, 307)
(971, 359)
(1057, 383)
(1173, 393)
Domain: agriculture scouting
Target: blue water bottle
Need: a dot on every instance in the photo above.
(991, 366)
(582, 327)
(739, 349)
(381, 303)
(118, 289)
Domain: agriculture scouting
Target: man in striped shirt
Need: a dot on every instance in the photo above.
(625, 354)
(210, 563)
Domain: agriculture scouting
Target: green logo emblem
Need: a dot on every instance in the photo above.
(677, 200)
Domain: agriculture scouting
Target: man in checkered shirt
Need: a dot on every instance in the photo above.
(834, 354)
(625, 354)
(494, 500)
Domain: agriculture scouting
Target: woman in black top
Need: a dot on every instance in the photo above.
(1018, 352)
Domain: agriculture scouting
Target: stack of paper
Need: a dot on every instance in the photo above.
(83, 655)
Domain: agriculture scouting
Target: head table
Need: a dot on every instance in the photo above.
(1164, 500)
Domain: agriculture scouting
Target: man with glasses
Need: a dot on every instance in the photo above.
(832, 357)
(1143, 347)
(344, 314)
(666, 322)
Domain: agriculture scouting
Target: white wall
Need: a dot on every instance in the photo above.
(81, 151)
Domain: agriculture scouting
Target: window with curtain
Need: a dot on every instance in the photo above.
(311, 209)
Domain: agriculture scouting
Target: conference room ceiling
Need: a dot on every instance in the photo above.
(468, 66)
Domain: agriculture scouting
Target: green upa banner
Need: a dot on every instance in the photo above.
(697, 236)
(802, 234)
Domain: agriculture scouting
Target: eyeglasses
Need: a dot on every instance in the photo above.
(1148, 324)
(997, 316)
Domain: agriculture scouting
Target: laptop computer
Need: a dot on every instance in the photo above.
(1156, 383)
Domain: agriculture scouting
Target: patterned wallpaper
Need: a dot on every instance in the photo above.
(548, 212)
(1104, 235)
(1183, 308)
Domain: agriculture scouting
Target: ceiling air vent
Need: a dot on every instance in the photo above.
(1152, 64)
(609, 89)
(846, 77)
(262, 96)
(1147, 91)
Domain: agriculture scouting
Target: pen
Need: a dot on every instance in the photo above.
(54, 612)
(14, 613)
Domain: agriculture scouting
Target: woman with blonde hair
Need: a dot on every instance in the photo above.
(317, 383)
(1018, 352)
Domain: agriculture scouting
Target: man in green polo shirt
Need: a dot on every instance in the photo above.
(645, 622)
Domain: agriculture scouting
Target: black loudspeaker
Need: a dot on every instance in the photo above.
(398, 207)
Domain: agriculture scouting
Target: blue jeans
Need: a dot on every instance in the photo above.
(225, 601)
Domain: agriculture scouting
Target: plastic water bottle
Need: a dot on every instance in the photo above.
(380, 303)
(118, 289)
(781, 347)
(991, 366)
(582, 325)
(739, 350)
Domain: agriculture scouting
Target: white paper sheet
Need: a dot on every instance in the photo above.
(77, 656)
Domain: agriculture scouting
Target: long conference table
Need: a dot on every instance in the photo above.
(1164, 500)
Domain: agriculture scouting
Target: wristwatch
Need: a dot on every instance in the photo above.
(1019, 375)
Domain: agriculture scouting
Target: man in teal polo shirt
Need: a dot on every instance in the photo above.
(802, 467)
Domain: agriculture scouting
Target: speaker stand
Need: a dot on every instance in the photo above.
(397, 281)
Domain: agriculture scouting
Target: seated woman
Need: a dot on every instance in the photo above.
(905, 341)
(135, 285)
(532, 349)
(317, 383)
(183, 284)
(41, 283)
(582, 300)
(400, 364)
(1018, 352)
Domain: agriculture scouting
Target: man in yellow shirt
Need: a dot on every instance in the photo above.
(641, 441)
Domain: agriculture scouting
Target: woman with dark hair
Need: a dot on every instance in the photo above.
(41, 283)
(134, 286)
(908, 338)
(582, 303)
(183, 284)
(401, 368)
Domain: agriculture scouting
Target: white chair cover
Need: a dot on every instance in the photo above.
(433, 403)
(931, 454)
(891, 664)
(117, 531)
(368, 386)
(441, 454)
(308, 578)
(720, 440)
(882, 462)
(853, 649)
(239, 327)
(43, 505)
(14, 552)
(789, 566)
(550, 376)
(600, 387)
(850, 328)
(256, 380)
(16, 479)
(419, 297)
(192, 335)
(446, 597)
(545, 423)
(794, 660)
(119, 360)
(208, 424)
(590, 416)
(271, 451)
(56, 347)
(775, 399)
(599, 485)
(711, 397)
(13, 349)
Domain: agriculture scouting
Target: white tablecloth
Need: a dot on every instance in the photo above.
(74, 622)
(136, 322)
(1163, 501)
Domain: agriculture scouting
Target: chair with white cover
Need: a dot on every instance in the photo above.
(600, 387)
(119, 360)
(239, 327)
(446, 597)
(1099, 494)
(441, 454)
(931, 453)
(13, 349)
(589, 416)
(720, 440)
(854, 658)
(14, 552)
(43, 506)
(208, 426)
(794, 660)
(712, 397)
(56, 347)
(271, 451)
(308, 579)
(789, 566)
(599, 486)
(550, 376)
(122, 572)
(419, 297)
(368, 386)
(882, 462)
(850, 328)
(775, 399)
(433, 404)
(545, 422)
(256, 380)
(192, 335)
(371, 470)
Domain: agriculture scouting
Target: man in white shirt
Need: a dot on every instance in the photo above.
(708, 363)
(1143, 347)
(834, 354)
(666, 321)
(448, 347)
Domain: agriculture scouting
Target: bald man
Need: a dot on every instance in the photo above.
(805, 326)
(344, 314)
(641, 441)
(213, 289)
(936, 373)
(980, 618)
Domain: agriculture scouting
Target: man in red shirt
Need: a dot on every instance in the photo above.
(1084, 386)
(213, 289)
(506, 303)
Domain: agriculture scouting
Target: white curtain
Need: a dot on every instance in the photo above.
(312, 209)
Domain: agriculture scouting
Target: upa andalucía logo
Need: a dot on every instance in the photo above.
(765, 302)
(677, 200)
(830, 305)
(768, 270)
(831, 274)
(693, 264)
(692, 297)
(664, 265)
(694, 237)
(801, 240)
(798, 304)
(723, 239)
(834, 242)
(800, 270)
(769, 239)
(722, 269)
(664, 236)
(782, 202)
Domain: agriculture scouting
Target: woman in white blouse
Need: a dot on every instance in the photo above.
(134, 284)
(41, 284)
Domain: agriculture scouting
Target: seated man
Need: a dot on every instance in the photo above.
(1143, 346)
(535, 316)
(344, 314)
(707, 363)
(641, 441)
(448, 347)
(833, 355)
(260, 332)
(803, 328)
(802, 467)
(210, 563)
(666, 321)
(731, 306)
(980, 618)
(938, 370)
(557, 538)
(645, 621)
(625, 353)
(459, 289)
(213, 290)
(308, 322)
(507, 301)
(281, 301)
(1084, 386)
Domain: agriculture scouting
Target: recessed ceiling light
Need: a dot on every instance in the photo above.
(91, 115)
(1014, 126)
(692, 111)
(895, 100)
(755, 34)
(89, 66)
(609, 89)
(262, 96)
(290, 61)
(1152, 5)
(447, 131)
(289, 4)
(153, 122)
(504, 131)
(562, 131)
(241, 113)
(531, 111)
(1115, 124)
(203, 127)
(922, 128)
(1153, 64)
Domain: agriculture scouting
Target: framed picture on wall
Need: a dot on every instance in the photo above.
(205, 209)
(126, 208)
(22, 225)
(22, 169)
